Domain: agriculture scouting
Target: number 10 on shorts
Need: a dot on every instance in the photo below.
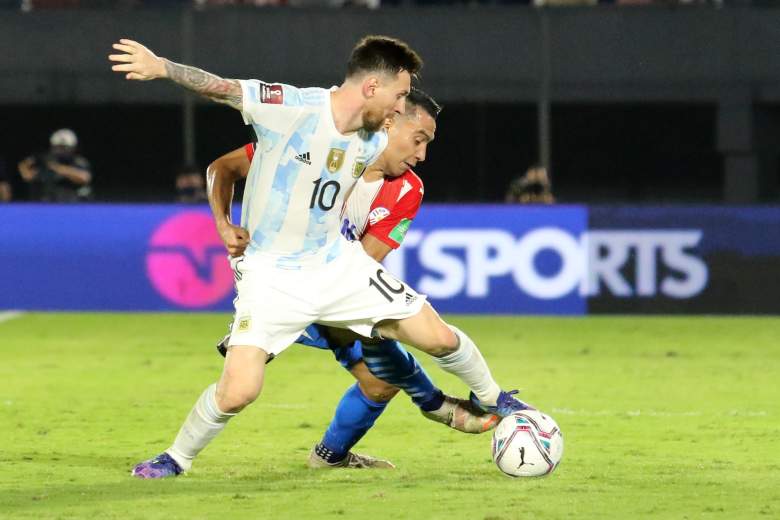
(385, 289)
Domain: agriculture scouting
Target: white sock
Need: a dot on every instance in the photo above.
(203, 423)
(468, 364)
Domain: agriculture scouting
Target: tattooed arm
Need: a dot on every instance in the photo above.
(140, 63)
(226, 91)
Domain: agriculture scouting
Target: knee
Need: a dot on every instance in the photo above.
(377, 390)
(446, 341)
(235, 400)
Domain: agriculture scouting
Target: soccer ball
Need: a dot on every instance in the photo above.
(527, 444)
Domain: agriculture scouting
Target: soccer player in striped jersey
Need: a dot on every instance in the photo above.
(297, 268)
(377, 213)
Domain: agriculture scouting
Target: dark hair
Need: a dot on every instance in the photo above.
(383, 54)
(418, 98)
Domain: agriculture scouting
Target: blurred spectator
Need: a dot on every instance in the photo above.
(190, 185)
(666, 2)
(257, 3)
(371, 4)
(29, 5)
(540, 3)
(532, 188)
(5, 185)
(36, 5)
(58, 175)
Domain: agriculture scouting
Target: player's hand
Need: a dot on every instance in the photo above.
(137, 61)
(235, 238)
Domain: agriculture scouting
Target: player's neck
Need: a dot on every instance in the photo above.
(346, 109)
(375, 172)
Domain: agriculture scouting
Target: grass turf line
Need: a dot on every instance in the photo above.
(662, 418)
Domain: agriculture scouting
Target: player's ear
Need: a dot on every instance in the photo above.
(388, 123)
(370, 84)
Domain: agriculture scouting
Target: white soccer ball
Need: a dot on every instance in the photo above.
(527, 444)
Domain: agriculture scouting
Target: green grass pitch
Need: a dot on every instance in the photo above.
(662, 418)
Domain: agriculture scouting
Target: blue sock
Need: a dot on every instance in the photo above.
(390, 362)
(355, 414)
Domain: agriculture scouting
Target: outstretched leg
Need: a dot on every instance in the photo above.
(455, 353)
(389, 361)
(240, 384)
(380, 370)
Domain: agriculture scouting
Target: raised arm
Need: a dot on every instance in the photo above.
(141, 64)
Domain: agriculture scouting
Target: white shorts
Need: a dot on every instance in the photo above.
(353, 291)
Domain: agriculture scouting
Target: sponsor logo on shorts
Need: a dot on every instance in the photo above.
(377, 214)
(271, 94)
(410, 298)
(244, 324)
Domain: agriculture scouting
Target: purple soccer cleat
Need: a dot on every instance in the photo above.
(505, 404)
(161, 466)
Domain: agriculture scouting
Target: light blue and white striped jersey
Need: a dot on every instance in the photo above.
(301, 172)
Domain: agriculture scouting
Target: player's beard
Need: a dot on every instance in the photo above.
(373, 120)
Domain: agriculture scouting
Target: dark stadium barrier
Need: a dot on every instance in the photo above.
(468, 258)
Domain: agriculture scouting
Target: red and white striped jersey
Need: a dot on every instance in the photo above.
(384, 208)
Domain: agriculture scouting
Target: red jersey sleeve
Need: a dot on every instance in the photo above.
(392, 229)
(249, 148)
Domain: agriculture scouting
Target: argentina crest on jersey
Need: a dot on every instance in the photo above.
(359, 167)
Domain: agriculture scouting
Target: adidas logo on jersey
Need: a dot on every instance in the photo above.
(305, 158)
(410, 298)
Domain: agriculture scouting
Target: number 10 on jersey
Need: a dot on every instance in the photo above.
(324, 196)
